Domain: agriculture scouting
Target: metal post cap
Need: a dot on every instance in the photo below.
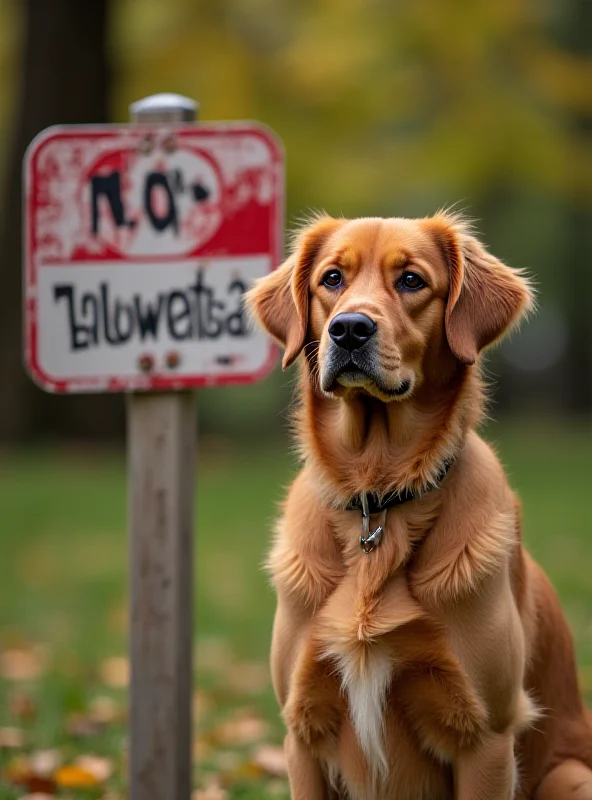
(163, 107)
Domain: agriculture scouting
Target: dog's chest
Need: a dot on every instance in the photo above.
(357, 635)
(378, 646)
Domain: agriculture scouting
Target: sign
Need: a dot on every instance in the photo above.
(140, 241)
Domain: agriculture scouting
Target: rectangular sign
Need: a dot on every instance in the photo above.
(140, 242)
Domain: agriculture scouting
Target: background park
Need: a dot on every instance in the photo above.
(394, 109)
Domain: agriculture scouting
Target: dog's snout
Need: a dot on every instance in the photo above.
(352, 330)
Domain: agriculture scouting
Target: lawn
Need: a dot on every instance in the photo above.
(63, 604)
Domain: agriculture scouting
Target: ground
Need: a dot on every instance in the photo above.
(63, 614)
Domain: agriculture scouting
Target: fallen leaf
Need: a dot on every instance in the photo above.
(19, 772)
(244, 727)
(104, 710)
(212, 790)
(21, 705)
(11, 738)
(115, 672)
(74, 777)
(23, 664)
(45, 762)
(100, 768)
(271, 760)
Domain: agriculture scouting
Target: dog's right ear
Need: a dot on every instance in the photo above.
(280, 300)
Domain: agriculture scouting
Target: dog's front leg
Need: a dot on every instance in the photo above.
(487, 770)
(307, 780)
(315, 707)
(313, 713)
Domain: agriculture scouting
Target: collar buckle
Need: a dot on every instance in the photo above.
(370, 541)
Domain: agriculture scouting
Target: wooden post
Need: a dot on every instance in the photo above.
(162, 429)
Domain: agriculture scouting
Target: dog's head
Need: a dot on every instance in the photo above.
(386, 303)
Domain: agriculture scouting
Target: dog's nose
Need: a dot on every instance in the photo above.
(351, 331)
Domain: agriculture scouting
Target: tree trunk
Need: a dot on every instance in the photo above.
(65, 79)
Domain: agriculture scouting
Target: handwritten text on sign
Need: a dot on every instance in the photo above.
(141, 242)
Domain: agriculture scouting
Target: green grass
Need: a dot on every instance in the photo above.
(63, 570)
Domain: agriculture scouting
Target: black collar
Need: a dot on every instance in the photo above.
(378, 503)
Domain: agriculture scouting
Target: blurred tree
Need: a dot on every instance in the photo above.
(65, 79)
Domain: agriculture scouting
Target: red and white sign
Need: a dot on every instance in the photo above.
(140, 242)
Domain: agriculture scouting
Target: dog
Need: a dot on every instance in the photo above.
(418, 651)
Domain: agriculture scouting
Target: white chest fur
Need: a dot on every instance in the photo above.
(365, 679)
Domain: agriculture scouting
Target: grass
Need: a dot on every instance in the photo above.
(63, 587)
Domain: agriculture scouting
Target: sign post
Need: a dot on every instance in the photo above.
(161, 446)
(140, 241)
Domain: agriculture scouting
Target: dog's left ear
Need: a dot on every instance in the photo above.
(485, 298)
(280, 300)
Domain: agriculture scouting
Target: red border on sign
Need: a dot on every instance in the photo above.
(139, 382)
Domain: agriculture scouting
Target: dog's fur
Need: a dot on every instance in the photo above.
(439, 665)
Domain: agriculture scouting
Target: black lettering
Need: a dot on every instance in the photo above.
(214, 325)
(110, 335)
(126, 311)
(79, 334)
(236, 323)
(154, 180)
(148, 316)
(179, 321)
(198, 289)
(90, 302)
(110, 187)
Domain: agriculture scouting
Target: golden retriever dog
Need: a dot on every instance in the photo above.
(418, 652)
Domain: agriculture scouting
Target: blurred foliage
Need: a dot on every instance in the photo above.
(392, 109)
(375, 100)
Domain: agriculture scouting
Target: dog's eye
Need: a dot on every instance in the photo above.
(332, 279)
(411, 280)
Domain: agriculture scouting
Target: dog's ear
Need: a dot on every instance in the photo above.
(485, 298)
(280, 300)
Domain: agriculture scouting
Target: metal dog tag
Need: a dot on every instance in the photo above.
(370, 541)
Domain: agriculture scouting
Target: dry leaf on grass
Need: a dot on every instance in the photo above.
(244, 727)
(104, 710)
(19, 772)
(71, 776)
(24, 664)
(45, 762)
(115, 672)
(101, 768)
(271, 760)
(11, 738)
(212, 790)
(21, 705)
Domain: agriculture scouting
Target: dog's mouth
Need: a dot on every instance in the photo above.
(361, 377)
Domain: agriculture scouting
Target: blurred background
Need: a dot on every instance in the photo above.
(385, 108)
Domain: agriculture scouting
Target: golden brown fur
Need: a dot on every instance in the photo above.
(440, 665)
